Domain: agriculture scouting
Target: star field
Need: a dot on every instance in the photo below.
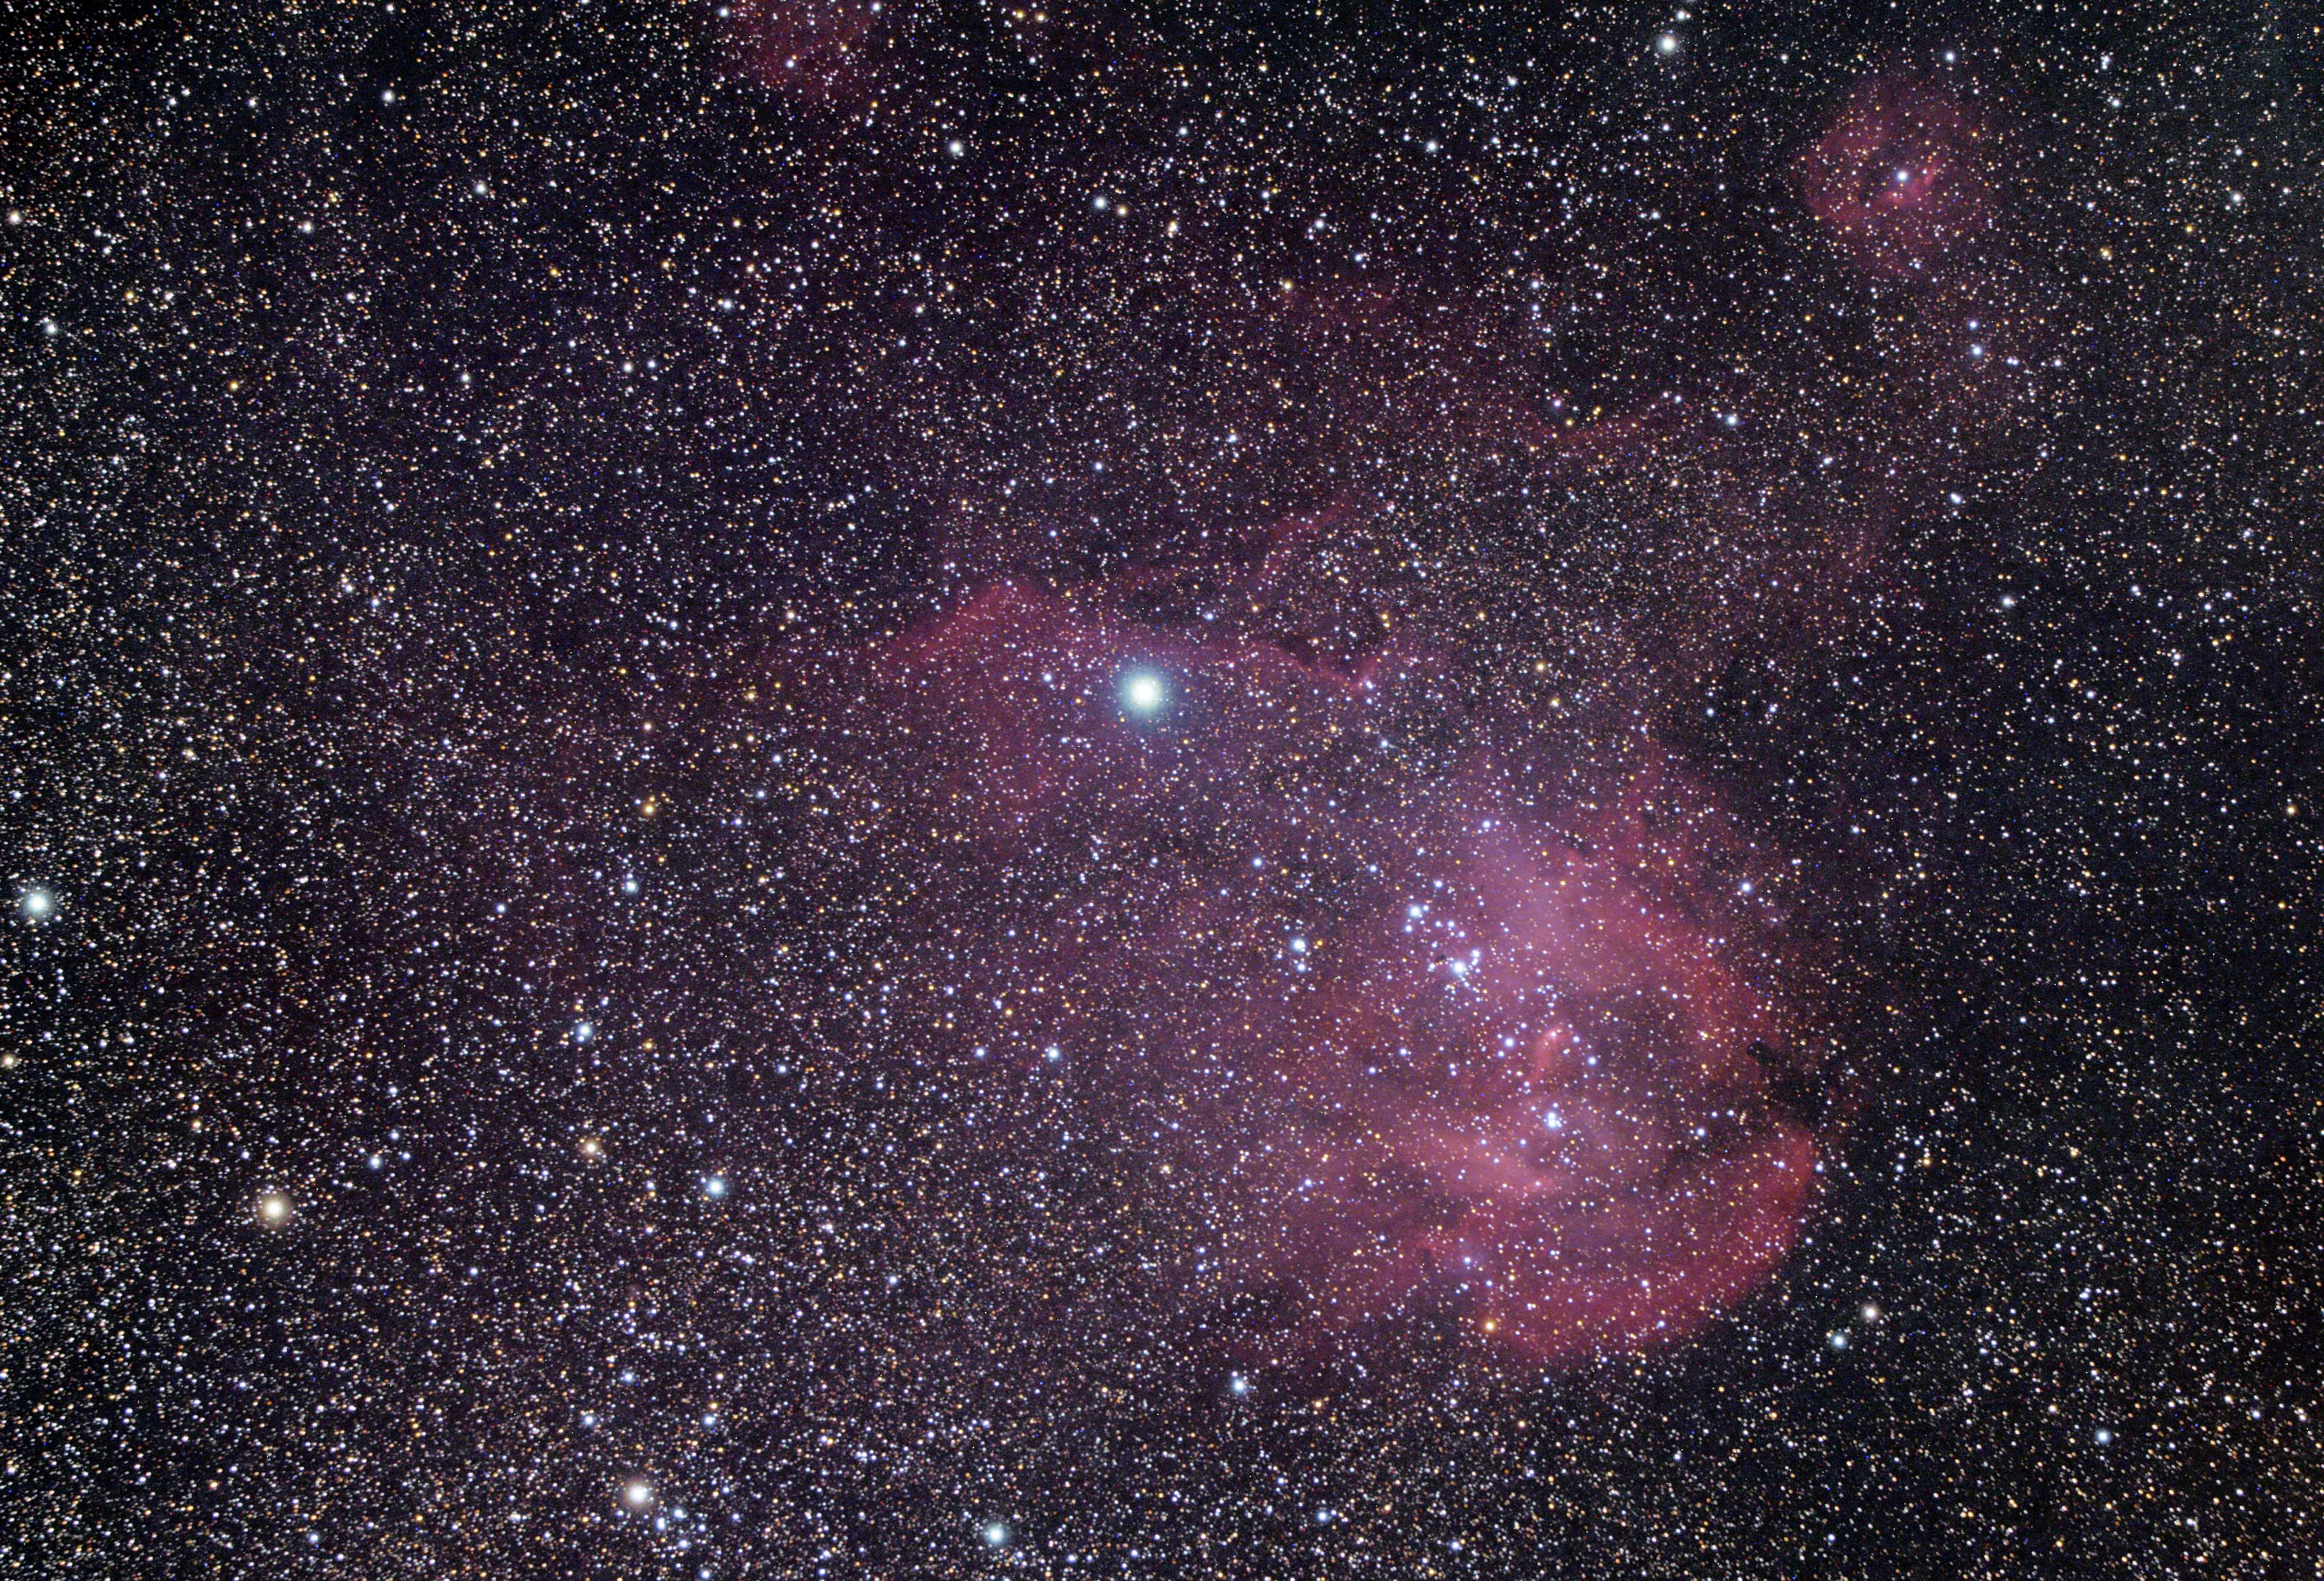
(951, 788)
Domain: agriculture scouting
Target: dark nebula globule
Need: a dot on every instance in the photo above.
(810, 789)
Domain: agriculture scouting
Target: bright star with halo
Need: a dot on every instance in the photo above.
(1144, 692)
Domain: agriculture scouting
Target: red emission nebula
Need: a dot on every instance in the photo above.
(1413, 1015)
(1437, 1055)
(1897, 178)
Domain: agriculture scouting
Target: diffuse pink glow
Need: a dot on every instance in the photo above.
(1465, 1067)
(818, 50)
(1899, 178)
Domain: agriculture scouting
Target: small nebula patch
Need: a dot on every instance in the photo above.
(816, 50)
(1898, 178)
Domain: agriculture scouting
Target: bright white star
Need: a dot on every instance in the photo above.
(1143, 691)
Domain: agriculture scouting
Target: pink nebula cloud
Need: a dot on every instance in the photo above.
(1443, 1057)
(1899, 177)
(818, 50)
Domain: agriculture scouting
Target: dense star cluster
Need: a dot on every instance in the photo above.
(957, 787)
